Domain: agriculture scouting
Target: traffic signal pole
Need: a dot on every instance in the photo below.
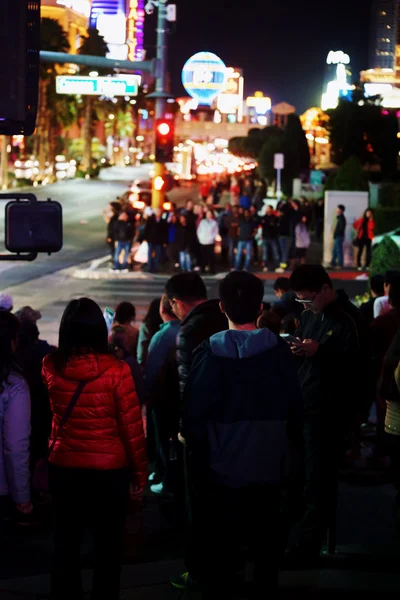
(157, 199)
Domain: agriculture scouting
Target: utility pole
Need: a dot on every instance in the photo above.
(160, 95)
(158, 195)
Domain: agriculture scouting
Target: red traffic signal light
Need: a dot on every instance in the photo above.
(164, 140)
(163, 129)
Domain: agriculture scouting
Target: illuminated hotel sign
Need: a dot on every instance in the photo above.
(338, 57)
(122, 85)
(261, 103)
(135, 25)
(121, 22)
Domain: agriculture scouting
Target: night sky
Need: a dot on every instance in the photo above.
(281, 45)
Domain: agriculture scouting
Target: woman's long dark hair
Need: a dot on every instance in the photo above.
(83, 330)
(9, 326)
(153, 319)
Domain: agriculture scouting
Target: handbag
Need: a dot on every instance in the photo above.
(40, 477)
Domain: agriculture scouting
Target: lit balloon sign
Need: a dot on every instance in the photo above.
(204, 77)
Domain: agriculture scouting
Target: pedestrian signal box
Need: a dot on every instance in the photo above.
(31, 226)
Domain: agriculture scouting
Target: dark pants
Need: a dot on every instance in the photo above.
(154, 257)
(111, 247)
(364, 243)
(208, 257)
(88, 498)
(322, 445)
(224, 519)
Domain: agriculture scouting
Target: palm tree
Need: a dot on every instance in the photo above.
(92, 45)
(53, 39)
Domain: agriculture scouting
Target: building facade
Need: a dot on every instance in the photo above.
(384, 33)
(73, 16)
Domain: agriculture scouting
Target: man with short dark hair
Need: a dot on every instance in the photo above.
(338, 237)
(376, 284)
(331, 341)
(162, 386)
(200, 318)
(242, 406)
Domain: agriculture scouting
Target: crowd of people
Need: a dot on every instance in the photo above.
(241, 410)
(230, 223)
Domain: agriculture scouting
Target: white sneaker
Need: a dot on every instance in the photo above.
(125, 271)
(279, 270)
(359, 268)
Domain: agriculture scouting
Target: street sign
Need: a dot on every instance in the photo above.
(122, 85)
(279, 161)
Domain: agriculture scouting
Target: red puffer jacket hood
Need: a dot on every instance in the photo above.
(105, 428)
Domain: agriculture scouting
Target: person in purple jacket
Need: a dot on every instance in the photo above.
(15, 428)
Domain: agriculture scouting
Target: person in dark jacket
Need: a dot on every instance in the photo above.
(123, 232)
(184, 240)
(376, 284)
(115, 210)
(330, 350)
(200, 318)
(163, 398)
(29, 356)
(247, 230)
(243, 407)
(270, 237)
(338, 237)
(156, 235)
(286, 303)
(284, 232)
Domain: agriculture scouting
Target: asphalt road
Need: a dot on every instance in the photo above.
(84, 227)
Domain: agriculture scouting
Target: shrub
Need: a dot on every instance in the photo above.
(385, 257)
(386, 219)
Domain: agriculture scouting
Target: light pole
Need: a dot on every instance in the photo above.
(160, 95)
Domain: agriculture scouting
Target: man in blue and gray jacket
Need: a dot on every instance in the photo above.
(242, 408)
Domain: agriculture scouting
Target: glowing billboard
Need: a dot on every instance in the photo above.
(204, 77)
(260, 103)
(230, 101)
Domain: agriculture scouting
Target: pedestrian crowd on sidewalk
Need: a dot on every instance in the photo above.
(239, 411)
(229, 225)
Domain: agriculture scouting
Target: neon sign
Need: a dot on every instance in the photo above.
(338, 57)
(135, 27)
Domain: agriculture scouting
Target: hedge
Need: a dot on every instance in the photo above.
(386, 219)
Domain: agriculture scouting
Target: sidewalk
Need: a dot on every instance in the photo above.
(99, 269)
(150, 581)
(366, 562)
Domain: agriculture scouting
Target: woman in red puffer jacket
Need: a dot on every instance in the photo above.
(95, 455)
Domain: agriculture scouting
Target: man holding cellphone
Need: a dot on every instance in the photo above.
(329, 351)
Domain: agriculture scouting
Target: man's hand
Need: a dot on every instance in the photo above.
(297, 348)
(310, 347)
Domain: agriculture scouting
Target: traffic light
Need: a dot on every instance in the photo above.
(164, 140)
(19, 66)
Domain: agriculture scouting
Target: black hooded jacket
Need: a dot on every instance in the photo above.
(332, 379)
(201, 323)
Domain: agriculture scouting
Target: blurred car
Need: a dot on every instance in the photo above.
(394, 235)
(140, 193)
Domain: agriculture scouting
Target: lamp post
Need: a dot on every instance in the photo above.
(160, 94)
